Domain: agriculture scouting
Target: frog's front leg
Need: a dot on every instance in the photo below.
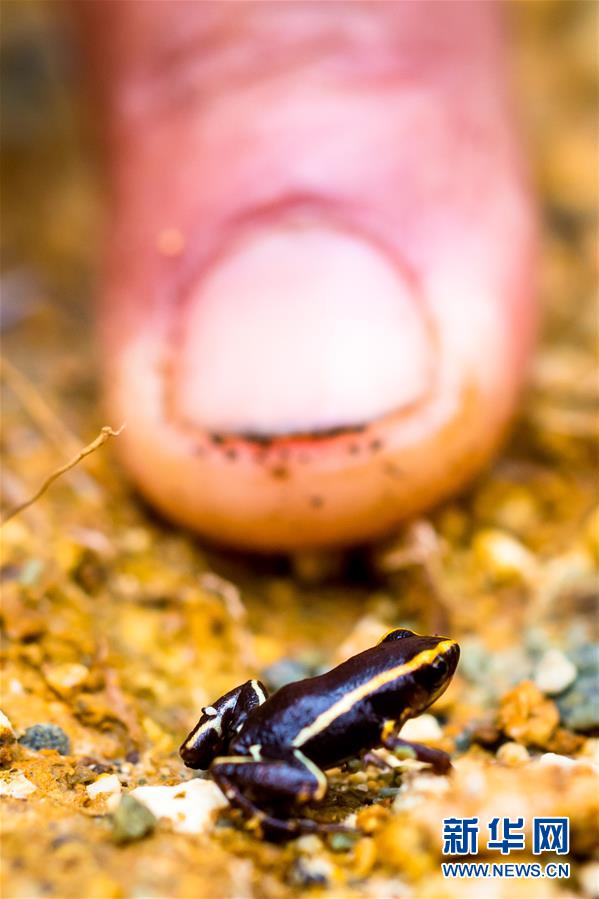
(249, 782)
(371, 757)
(436, 758)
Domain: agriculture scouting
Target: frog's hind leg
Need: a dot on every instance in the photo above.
(289, 780)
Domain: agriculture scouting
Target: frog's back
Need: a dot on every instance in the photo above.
(287, 715)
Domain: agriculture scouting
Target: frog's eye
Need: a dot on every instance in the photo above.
(398, 633)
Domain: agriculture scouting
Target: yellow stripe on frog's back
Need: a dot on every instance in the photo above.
(347, 702)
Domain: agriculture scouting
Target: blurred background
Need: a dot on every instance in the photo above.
(117, 627)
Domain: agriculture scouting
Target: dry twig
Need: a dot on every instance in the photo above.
(100, 440)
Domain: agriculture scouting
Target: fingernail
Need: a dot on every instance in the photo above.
(300, 328)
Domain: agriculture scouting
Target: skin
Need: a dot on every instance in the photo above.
(228, 123)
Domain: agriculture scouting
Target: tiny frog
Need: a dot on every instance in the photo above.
(270, 752)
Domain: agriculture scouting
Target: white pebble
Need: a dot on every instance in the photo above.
(106, 785)
(503, 557)
(424, 729)
(17, 786)
(418, 788)
(555, 672)
(564, 761)
(5, 725)
(308, 844)
(312, 869)
(189, 805)
(554, 758)
(588, 876)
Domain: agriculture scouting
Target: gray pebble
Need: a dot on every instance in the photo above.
(46, 736)
(579, 707)
(131, 821)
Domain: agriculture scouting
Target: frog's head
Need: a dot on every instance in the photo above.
(211, 735)
(430, 663)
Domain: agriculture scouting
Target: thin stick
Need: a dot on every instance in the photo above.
(101, 439)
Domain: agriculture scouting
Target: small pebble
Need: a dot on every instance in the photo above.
(106, 785)
(571, 573)
(420, 788)
(67, 679)
(503, 557)
(586, 658)
(588, 875)
(6, 728)
(342, 842)
(189, 805)
(463, 741)
(564, 761)
(7, 741)
(579, 706)
(311, 872)
(388, 792)
(555, 673)
(371, 819)
(131, 820)
(30, 572)
(424, 729)
(16, 785)
(365, 854)
(405, 753)
(484, 732)
(357, 777)
(308, 844)
(512, 755)
(527, 716)
(46, 736)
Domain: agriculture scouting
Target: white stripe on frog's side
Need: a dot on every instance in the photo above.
(347, 702)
